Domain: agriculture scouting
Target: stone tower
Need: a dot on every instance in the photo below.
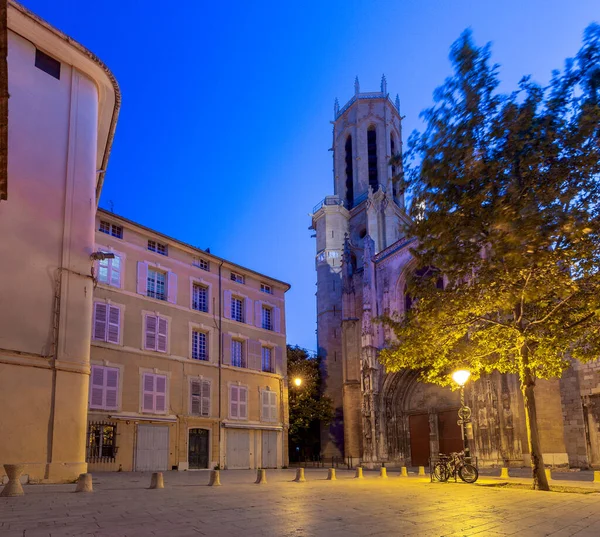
(363, 217)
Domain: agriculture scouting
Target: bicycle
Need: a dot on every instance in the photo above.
(453, 465)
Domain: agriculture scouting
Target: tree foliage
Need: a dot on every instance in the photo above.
(506, 206)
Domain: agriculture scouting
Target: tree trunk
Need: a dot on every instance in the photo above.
(535, 449)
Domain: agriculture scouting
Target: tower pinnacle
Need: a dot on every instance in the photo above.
(356, 86)
(383, 84)
(397, 103)
(336, 108)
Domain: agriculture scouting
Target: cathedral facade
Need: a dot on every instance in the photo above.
(363, 260)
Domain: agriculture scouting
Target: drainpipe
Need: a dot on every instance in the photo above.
(220, 328)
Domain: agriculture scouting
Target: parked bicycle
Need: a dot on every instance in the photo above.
(452, 465)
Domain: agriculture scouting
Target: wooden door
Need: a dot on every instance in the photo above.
(419, 439)
(269, 449)
(450, 433)
(152, 450)
(198, 448)
(238, 449)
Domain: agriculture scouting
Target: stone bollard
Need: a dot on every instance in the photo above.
(157, 481)
(548, 474)
(421, 470)
(300, 476)
(596, 477)
(331, 474)
(13, 487)
(261, 477)
(215, 478)
(84, 483)
(504, 472)
(383, 472)
(359, 474)
(403, 472)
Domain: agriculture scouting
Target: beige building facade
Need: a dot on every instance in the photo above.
(188, 362)
(63, 108)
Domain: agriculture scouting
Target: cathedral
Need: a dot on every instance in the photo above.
(363, 260)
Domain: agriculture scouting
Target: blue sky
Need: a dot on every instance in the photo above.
(224, 130)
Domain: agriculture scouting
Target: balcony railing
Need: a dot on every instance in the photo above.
(329, 200)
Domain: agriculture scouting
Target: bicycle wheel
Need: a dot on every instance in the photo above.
(440, 472)
(468, 473)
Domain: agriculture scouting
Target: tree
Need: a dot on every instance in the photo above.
(505, 205)
(308, 407)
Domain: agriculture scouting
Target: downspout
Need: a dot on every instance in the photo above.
(220, 328)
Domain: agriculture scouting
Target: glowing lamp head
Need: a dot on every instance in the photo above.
(461, 376)
(298, 381)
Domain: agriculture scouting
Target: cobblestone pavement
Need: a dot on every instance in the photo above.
(122, 505)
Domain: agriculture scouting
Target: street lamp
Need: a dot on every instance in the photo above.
(464, 414)
(298, 381)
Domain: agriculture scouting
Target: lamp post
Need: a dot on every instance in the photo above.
(464, 414)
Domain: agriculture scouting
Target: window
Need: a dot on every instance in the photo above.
(155, 333)
(200, 297)
(154, 393)
(238, 402)
(156, 287)
(101, 442)
(237, 353)
(237, 309)
(157, 247)
(237, 277)
(372, 154)
(201, 263)
(111, 229)
(267, 318)
(47, 64)
(199, 345)
(104, 388)
(266, 289)
(106, 324)
(269, 406)
(349, 174)
(266, 362)
(109, 271)
(200, 397)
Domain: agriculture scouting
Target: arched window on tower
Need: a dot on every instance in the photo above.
(349, 174)
(372, 152)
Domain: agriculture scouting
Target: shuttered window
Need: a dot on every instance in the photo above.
(238, 402)
(199, 345)
(200, 397)
(266, 361)
(267, 318)
(104, 388)
(109, 271)
(106, 325)
(154, 393)
(155, 333)
(200, 297)
(237, 309)
(156, 284)
(238, 358)
(269, 405)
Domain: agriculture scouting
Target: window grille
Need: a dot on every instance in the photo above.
(237, 309)
(157, 283)
(101, 443)
(200, 298)
(199, 346)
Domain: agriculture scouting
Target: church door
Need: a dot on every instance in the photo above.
(450, 433)
(419, 439)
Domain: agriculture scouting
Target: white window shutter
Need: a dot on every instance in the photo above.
(248, 312)
(276, 319)
(150, 333)
(112, 388)
(142, 278)
(148, 392)
(273, 405)
(264, 407)
(279, 360)
(163, 328)
(100, 311)
(205, 396)
(115, 271)
(254, 355)
(227, 304)
(97, 387)
(161, 394)
(172, 288)
(226, 349)
(195, 399)
(114, 324)
(257, 313)
(243, 402)
(234, 401)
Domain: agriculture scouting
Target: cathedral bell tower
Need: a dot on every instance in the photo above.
(367, 208)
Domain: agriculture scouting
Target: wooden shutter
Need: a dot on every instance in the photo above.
(100, 311)
(257, 313)
(148, 392)
(205, 397)
(254, 355)
(226, 349)
(265, 408)
(243, 402)
(234, 401)
(142, 278)
(273, 405)
(114, 324)
(163, 328)
(97, 387)
(278, 360)
(196, 400)
(172, 287)
(160, 396)
(150, 333)
(248, 313)
(115, 271)
(276, 313)
(112, 387)
(227, 304)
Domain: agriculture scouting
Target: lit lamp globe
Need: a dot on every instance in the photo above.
(461, 376)
(298, 381)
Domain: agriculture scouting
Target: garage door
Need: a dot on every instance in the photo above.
(269, 449)
(238, 449)
(152, 453)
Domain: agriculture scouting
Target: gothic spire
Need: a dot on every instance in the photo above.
(336, 108)
(398, 103)
(383, 84)
(356, 85)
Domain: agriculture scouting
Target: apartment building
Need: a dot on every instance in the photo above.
(187, 357)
